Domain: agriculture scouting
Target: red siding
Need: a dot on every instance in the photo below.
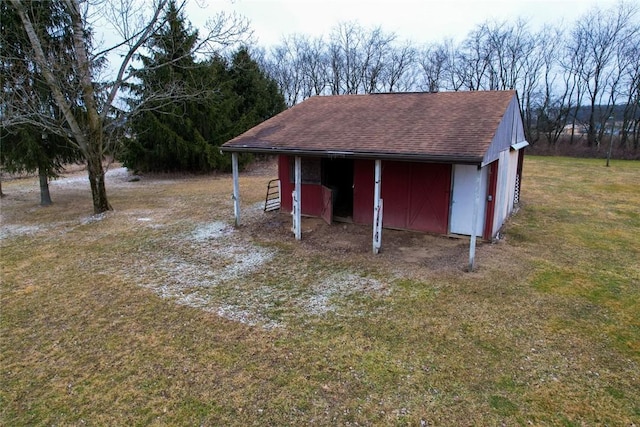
(396, 177)
(430, 194)
(416, 195)
(363, 171)
(286, 187)
(311, 193)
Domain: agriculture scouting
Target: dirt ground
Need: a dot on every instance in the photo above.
(433, 252)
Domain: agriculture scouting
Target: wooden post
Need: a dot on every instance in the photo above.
(474, 220)
(377, 208)
(236, 188)
(297, 191)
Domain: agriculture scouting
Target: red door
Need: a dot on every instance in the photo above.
(429, 197)
(416, 195)
(492, 181)
(395, 191)
(363, 177)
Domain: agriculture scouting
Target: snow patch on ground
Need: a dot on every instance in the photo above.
(118, 174)
(199, 283)
(212, 230)
(337, 287)
(47, 230)
(238, 314)
(12, 230)
(213, 267)
(81, 179)
(94, 218)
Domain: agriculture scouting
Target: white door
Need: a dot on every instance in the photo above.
(463, 197)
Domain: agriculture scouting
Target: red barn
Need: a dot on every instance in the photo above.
(447, 163)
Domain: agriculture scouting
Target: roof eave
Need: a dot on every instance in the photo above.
(416, 157)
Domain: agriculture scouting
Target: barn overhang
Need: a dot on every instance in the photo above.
(369, 155)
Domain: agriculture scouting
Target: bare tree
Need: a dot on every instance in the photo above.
(630, 126)
(285, 67)
(473, 61)
(89, 116)
(599, 35)
(526, 75)
(299, 66)
(511, 47)
(315, 67)
(454, 71)
(398, 74)
(554, 106)
(357, 58)
(433, 63)
(375, 59)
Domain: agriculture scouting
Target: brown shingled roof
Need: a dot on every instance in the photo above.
(454, 126)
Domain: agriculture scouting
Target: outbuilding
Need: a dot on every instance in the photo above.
(447, 163)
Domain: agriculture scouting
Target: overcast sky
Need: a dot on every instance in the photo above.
(419, 21)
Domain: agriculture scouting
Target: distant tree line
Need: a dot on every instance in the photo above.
(579, 82)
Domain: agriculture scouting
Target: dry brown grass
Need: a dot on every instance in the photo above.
(161, 313)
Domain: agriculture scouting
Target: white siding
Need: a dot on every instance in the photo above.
(509, 131)
(500, 210)
(463, 197)
(513, 171)
(505, 188)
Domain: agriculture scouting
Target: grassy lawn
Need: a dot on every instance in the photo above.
(162, 313)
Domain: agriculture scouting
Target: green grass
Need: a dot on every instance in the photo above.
(136, 319)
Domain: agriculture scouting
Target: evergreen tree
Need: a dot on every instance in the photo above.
(28, 146)
(166, 134)
(215, 121)
(221, 100)
(259, 97)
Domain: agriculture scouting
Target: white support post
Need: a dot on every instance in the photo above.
(377, 208)
(474, 220)
(297, 191)
(236, 188)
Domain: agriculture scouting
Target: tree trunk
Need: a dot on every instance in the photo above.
(96, 181)
(592, 138)
(45, 196)
(1, 193)
(90, 143)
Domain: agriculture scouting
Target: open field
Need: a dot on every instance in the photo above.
(162, 313)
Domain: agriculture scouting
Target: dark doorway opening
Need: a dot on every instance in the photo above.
(337, 174)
